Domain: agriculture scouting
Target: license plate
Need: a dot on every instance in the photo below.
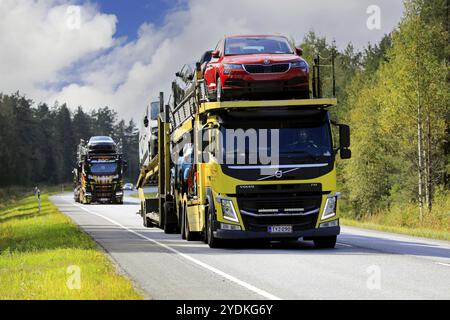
(280, 229)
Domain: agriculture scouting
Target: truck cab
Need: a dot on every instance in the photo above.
(246, 169)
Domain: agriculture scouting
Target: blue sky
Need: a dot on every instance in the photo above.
(131, 14)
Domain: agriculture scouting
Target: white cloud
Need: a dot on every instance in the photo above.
(37, 41)
(126, 77)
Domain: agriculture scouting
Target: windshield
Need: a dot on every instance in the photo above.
(154, 110)
(304, 144)
(255, 45)
(103, 168)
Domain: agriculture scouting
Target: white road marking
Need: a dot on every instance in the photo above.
(227, 276)
(443, 264)
(344, 244)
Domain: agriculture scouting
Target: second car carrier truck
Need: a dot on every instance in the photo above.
(98, 176)
(262, 169)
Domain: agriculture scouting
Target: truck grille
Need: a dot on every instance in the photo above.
(274, 68)
(300, 211)
(103, 191)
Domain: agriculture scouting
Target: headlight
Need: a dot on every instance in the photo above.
(226, 226)
(330, 207)
(228, 68)
(300, 64)
(228, 210)
(329, 224)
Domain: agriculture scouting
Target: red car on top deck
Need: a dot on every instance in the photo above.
(256, 66)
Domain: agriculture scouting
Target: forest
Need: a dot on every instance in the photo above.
(394, 95)
(38, 143)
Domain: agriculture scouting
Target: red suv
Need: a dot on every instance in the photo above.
(256, 65)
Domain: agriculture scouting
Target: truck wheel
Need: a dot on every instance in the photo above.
(188, 235)
(183, 222)
(146, 221)
(325, 242)
(169, 228)
(212, 241)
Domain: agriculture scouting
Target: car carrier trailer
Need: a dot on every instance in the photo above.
(98, 175)
(204, 196)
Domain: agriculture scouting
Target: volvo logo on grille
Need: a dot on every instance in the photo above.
(278, 174)
(266, 61)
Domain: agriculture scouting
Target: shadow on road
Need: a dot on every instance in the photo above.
(121, 240)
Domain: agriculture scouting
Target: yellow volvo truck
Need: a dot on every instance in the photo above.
(245, 170)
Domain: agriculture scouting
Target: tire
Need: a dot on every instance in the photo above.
(205, 230)
(183, 222)
(325, 242)
(212, 241)
(302, 95)
(146, 221)
(305, 95)
(168, 227)
(188, 235)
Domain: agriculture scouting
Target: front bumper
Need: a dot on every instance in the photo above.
(311, 233)
(242, 83)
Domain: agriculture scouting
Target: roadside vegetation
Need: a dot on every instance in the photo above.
(399, 111)
(395, 95)
(11, 195)
(403, 218)
(40, 254)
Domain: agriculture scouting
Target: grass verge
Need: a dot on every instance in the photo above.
(404, 218)
(41, 254)
(13, 194)
(417, 232)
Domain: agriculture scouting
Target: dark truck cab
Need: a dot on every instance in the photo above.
(98, 176)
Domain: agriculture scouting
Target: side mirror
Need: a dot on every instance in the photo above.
(344, 136)
(178, 75)
(345, 154)
(299, 51)
(216, 54)
(146, 122)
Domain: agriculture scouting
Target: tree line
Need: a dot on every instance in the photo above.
(38, 142)
(395, 96)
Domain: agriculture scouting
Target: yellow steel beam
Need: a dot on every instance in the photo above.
(325, 102)
(147, 172)
(179, 132)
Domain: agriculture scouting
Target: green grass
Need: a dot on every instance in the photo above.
(417, 232)
(404, 219)
(13, 194)
(36, 250)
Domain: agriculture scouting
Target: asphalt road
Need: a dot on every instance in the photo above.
(364, 265)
